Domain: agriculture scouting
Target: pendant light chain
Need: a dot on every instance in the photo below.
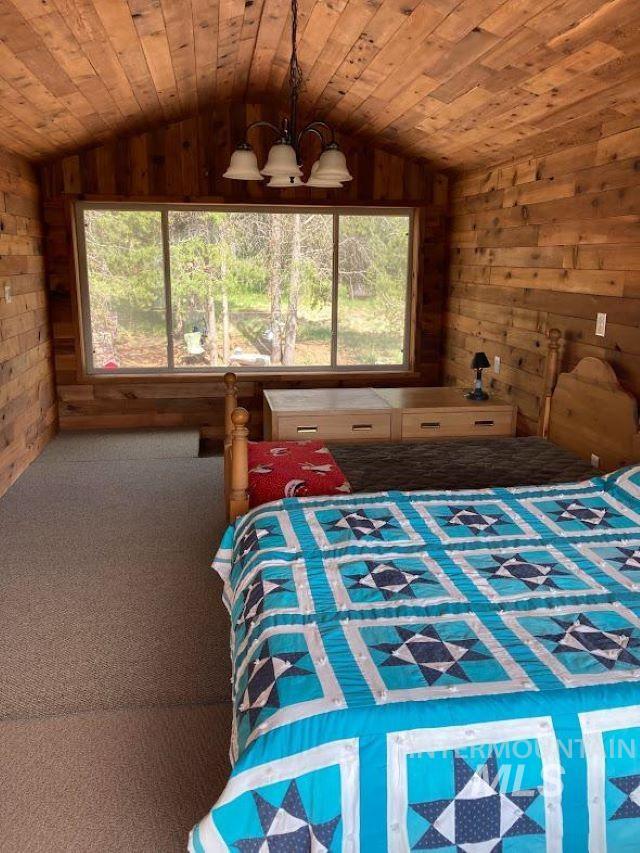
(295, 72)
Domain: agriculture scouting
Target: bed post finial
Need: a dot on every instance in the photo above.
(550, 378)
(238, 495)
(239, 417)
(554, 339)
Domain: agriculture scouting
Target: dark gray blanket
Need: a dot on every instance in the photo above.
(473, 463)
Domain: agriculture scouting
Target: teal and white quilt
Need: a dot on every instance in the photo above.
(442, 671)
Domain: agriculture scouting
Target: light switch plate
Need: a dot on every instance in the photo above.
(496, 364)
(601, 325)
(8, 295)
(595, 461)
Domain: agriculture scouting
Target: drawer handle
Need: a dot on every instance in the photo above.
(306, 429)
(430, 425)
(484, 423)
(356, 427)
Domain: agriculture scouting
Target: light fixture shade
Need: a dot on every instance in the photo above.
(332, 165)
(315, 181)
(282, 162)
(243, 165)
(480, 361)
(284, 182)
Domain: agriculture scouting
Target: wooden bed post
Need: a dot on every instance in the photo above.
(230, 403)
(239, 483)
(552, 365)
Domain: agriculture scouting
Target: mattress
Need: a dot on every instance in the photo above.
(475, 463)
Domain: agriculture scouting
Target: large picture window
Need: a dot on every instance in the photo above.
(176, 288)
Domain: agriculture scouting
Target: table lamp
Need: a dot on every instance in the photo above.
(479, 363)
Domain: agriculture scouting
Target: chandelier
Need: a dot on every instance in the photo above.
(283, 165)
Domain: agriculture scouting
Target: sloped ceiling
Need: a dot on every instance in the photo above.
(459, 82)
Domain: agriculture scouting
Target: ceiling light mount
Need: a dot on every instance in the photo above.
(283, 164)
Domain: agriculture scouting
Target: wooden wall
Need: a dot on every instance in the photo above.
(27, 400)
(545, 242)
(184, 161)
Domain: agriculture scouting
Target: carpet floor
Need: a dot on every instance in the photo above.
(114, 668)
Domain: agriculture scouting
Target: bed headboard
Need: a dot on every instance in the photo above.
(590, 413)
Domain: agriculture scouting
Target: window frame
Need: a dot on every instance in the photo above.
(170, 370)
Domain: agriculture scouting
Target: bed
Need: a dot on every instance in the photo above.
(439, 670)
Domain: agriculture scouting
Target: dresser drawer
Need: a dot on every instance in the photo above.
(443, 424)
(343, 426)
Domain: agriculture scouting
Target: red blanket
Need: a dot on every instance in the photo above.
(279, 469)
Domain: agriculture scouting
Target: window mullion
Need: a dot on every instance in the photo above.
(85, 300)
(168, 311)
(334, 290)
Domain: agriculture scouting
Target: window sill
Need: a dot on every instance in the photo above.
(254, 375)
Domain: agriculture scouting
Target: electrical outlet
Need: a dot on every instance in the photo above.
(595, 461)
(601, 325)
(496, 364)
(8, 295)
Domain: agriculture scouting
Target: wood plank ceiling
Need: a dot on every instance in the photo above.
(460, 82)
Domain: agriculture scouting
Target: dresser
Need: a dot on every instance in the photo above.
(383, 414)
(331, 414)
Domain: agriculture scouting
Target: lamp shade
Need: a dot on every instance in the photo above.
(243, 165)
(282, 182)
(315, 181)
(480, 361)
(282, 162)
(332, 165)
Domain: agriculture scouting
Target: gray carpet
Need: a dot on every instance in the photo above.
(114, 681)
(119, 445)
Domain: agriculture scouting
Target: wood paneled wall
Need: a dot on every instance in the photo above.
(546, 242)
(27, 399)
(184, 161)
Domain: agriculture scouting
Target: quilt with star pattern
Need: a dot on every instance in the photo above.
(441, 671)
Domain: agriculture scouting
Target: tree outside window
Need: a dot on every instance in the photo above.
(206, 289)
